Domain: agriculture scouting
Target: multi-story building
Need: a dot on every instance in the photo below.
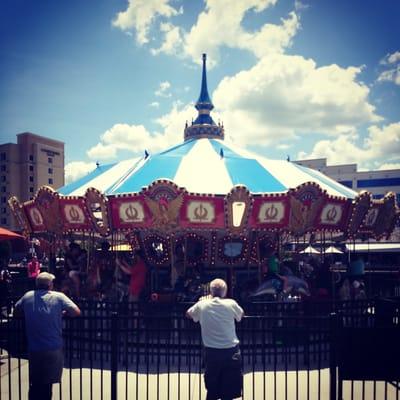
(25, 166)
(378, 183)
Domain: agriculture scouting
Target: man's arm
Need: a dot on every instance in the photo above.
(193, 313)
(73, 311)
(239, 313)
(69, 307)
(18, 308)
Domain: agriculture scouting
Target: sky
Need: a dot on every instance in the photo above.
(113, 78)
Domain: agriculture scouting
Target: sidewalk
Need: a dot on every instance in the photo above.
(95, 384)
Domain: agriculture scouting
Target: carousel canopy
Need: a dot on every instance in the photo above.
(204, 165)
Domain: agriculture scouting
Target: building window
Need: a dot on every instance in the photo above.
(4, 221)
(31, 157)
(349, 184)
(31, 179)
(364, 183)
(31, 168)
(50, 181)
(3, 178)
(50, 160)
(3, 189)
(3, 200)
(3, 168)
(31, 189)
(3, 156)
(50, 170)
(3, 210)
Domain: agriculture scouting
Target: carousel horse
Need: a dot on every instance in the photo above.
(274, 286)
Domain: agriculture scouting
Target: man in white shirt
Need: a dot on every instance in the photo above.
(223, 375)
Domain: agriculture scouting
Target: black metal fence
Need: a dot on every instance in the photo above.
(289, 351)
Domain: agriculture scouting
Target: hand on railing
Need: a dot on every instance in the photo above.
(208, 296)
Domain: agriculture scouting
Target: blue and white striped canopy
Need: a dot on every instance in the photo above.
(204, 165)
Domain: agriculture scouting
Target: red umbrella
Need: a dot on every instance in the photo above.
(5, 234)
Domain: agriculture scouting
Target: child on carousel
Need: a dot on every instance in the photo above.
(270, 270)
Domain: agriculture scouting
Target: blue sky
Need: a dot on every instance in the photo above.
(307, 79)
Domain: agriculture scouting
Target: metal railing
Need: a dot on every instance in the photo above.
(135, 351)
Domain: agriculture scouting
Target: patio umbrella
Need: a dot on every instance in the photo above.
(5, 234)
(310, 250)
(333, 250)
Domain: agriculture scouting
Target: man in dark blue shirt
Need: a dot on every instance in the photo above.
(43, 309)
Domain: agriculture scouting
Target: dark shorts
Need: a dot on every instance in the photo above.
(223, 373)
(46, 366)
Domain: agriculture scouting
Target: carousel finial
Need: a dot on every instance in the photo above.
(204, 101)
(204, 126)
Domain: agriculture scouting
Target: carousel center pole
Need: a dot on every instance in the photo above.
(258, 258)
(172, 258)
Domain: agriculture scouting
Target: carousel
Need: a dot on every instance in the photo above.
(204, 205)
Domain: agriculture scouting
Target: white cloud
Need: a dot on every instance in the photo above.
(154, 104)
(218, 25)
(172, 43)
(140, 14)
(136, 138)
(162, 90)
(271, 38)
(381, 147)
(392, 72)
(385, 141)
(102, 151)
(173, 123)
(299, 6)
(283, 96)
(120, 137)
(221, 25)
(390, 75)
(391, 58)
(77, 169)
(387, 166)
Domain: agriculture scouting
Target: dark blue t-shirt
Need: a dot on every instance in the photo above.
(43, 318)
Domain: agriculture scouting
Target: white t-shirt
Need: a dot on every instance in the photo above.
(217, 320)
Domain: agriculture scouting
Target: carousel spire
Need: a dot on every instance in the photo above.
(204, 101)
(204, 125)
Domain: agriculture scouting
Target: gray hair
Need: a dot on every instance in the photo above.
(44, 280)
(218, 288)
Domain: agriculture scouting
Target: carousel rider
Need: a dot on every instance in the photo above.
(75, 263)
(105, 269)
(270, 270)
(138, 271)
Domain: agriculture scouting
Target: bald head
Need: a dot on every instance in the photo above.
(218, 288)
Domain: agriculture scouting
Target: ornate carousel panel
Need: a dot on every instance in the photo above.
(75, 214)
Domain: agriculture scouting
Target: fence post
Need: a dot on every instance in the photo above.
(114, 354)
(333, 324)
